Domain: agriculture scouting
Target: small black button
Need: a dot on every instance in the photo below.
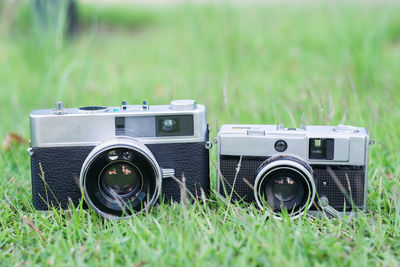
(280, 145)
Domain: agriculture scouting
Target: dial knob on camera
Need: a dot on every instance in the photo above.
(345, 129)
(183, 104)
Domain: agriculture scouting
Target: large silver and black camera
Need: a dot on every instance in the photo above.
(314, 168)
(121, 159)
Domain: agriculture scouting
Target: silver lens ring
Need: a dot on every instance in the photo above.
(285, 163)
(120, 143)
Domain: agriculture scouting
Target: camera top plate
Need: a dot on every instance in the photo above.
(87, 126)
(336, 145)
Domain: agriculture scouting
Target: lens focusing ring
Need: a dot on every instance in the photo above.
(287, 164)
(95, 164)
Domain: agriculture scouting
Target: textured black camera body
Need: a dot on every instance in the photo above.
(325, 184)
(268, 165)
(61, 168)
(166, 147)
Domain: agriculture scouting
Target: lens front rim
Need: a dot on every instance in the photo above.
(289, 163)
(120, 143)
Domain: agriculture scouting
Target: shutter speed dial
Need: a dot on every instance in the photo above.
(183, 104)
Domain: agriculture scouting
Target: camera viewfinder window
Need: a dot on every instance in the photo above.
(321, 148)
(174, 125)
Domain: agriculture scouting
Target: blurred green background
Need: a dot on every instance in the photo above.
(249, 62)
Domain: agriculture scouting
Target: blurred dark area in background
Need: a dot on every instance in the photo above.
(46, 20)
(47, 12)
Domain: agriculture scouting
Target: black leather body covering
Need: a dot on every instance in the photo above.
(56, 170)
(351, 178)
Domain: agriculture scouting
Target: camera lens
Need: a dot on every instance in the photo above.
(284, 188)
(121, 178)
(284, 183)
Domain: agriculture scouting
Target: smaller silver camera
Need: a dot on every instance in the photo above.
(312, 169)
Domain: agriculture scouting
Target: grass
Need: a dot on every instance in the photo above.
(333, 62)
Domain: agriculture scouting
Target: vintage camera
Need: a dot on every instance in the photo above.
(313, 168)
(121, 159)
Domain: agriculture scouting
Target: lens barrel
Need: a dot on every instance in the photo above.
(120, 177)
(284, 183)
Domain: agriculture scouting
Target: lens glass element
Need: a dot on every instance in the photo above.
(121, 178)
(284, 188)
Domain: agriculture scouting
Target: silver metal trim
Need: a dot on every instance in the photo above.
(30, 151)
(155, 140)
(341, 128)
(366, 158)
(59, 108)
(278, 165)
(349, 147)
(208, 145)
(323, 202)
(125, 142)
(77, 128)
(183, 104)
(167, 173)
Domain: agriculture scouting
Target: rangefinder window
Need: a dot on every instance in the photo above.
(321, 148)
(178, 125)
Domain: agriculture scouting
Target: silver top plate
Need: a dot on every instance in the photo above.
(350, 147)
(90, 126)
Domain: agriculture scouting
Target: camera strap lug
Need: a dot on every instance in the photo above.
(371, 142)
(209, 144)
(30, 151)
(324, 204)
